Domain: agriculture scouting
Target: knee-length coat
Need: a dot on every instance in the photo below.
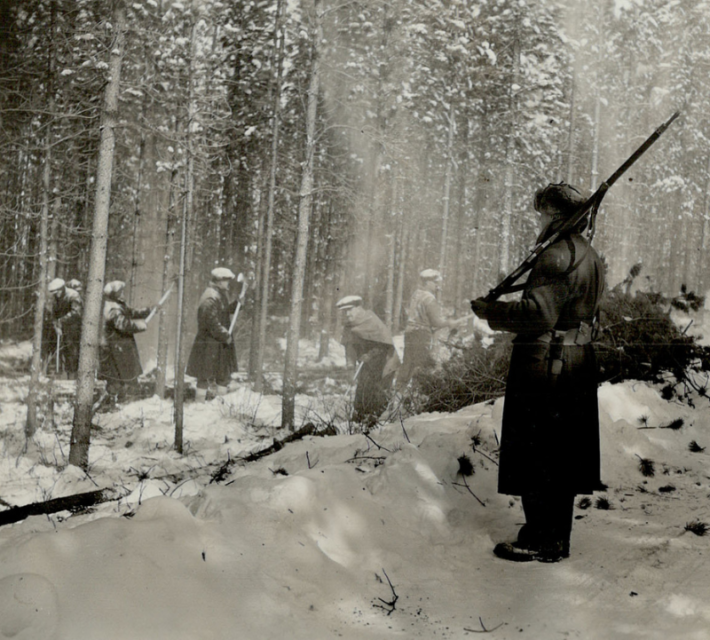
(368, 341)
(550, 433)
(119, 353)
(213, 357)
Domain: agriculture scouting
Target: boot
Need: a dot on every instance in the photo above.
(551, 552)
(200, 394)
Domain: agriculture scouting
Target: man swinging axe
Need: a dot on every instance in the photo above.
(213, 358)
(549, 448)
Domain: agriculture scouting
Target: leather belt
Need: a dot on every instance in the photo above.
(577, 336)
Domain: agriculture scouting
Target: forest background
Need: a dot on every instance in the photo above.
(328, 147)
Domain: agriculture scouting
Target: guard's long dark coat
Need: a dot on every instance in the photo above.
(120, 361)
(212, 357)
(550, 435)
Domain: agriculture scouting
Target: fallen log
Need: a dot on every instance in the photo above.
(308, 429)
(73, 503)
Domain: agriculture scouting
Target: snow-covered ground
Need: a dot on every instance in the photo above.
(347, 536)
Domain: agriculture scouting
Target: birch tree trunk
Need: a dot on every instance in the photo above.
(304, 210)
(91, 323)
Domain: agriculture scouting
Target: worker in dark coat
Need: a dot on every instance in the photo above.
(368, 343)
(120, 362)
(65, 309)
(550, 437)
(424, 318)
(213, 358)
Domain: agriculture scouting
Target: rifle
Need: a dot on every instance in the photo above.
(590, 207)
(161, 302)
(245, 284)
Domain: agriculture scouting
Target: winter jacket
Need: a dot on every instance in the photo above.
(424, 312)
(120, 361)
(66, 311)
(213, 357)
(550, 433)
(68, 308)
(369, 342)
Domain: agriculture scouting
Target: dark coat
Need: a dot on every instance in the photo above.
(213, 357)
(66, 311)
(369, 342)
(120, 361)
(550, 434)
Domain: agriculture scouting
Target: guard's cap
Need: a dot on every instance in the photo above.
(113, 287)
(74, 284)
(348, 302)
(430, 274)
(55, 285)
(222, 273)
(563, 198)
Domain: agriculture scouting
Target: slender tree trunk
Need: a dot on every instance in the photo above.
(137, 202)
(91, 324)
(304, 210)
(40, 304)
(705, 235)
(402, 271)
(505, 230)
(53, 257)
(391, 257)
(594, 175)
(168, 257)
(263, 312)
(570, 135)
(187, 216)
(447, 191)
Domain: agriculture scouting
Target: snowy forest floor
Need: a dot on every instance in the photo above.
(347, 536)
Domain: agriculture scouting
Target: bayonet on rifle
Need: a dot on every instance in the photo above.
(589, 207)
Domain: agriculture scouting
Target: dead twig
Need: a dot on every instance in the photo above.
(465, 484)
(483, 627)
(391, 604)
(356, 458)
(403, 429)
(367, 435)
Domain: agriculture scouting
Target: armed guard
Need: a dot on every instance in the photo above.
(550, 437)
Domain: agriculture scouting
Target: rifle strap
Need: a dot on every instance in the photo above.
(573, 265)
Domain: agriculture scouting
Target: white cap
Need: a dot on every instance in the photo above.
(74, 284)
(348, 302)
(222, 273)
(55, 285)
(115, 286)
(430, 274)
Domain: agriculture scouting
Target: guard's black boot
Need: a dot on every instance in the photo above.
(553, 552)
(515, 552)
(509, 551)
